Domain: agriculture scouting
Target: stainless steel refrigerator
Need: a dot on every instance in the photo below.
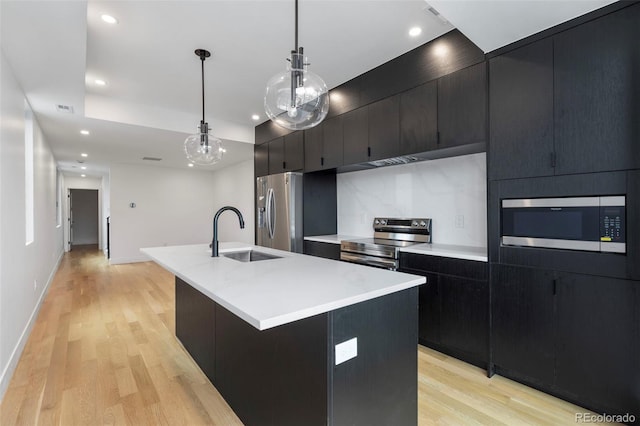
(279, 211)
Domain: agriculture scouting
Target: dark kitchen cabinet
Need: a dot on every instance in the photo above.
(597, 351)
(195, 326)
(320, 249)
(597, 94)
(521, 112)
(462, 107)
(453, 305)
(355, 133)
(323, 145)
(523, 341)
(286, 153)
(261, 159)
(384, 128)
(419, 119)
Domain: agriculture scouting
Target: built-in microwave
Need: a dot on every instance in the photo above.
(571, 223)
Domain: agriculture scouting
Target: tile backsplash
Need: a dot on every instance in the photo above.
(451, 191)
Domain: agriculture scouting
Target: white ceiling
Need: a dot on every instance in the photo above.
(152, 100)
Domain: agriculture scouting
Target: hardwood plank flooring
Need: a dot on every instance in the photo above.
(103, 352)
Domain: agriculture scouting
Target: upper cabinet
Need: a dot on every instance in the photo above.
(419, 118)
(286, 153)
(521, 111)
(323, 145)
(462, 107)
(261, 159)
(597, 94)
(384, 128)
(355, 135)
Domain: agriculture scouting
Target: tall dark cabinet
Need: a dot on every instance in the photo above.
(356, 136)
(384, 128)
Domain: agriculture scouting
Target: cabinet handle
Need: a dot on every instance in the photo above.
(552, 157)
(322, 161)
(437, 138)
(368, 151)
(555, 286)
(284, 164)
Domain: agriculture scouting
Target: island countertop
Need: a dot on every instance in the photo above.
(269, 293)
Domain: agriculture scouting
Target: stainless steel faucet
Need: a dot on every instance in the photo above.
(214, 243)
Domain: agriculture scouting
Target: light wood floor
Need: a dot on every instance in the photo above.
(103, 352)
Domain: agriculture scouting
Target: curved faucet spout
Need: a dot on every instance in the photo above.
(214, 243)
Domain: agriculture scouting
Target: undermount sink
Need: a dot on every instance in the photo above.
(249, 256)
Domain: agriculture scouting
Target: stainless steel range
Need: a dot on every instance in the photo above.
(390, 235)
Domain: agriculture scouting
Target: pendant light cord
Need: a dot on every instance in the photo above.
(296, 28)
(202, 63)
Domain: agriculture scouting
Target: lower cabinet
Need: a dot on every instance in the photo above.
(572, 335)
(453, 306)
(320, 249)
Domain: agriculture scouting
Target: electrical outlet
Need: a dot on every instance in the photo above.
(346, 350)
(459, 221)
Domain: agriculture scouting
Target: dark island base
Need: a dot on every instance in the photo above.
(287, 375)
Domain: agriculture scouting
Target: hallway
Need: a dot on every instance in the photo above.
(103, 352)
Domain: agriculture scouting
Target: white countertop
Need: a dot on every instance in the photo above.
(444, 250)
(273, 292)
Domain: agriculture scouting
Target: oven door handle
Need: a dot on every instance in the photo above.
(369, 260)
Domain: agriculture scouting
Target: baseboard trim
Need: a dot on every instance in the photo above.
(10, 368)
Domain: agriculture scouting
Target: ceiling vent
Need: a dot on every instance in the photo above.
(436, 14)
(152, 159)
(64, 108)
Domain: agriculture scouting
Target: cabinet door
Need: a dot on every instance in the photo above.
(521, 106)
(355, 135)
(384, 128)
(597, 355)
(294, 151)
(462, 107)
(332, 143)
(195, 326)
(276, 156)
(261, 159)
(464, 322)
(523, 323)
(313, 148)
(419, 119)
(429, 311)
(597, 94)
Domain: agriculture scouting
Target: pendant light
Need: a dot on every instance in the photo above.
(202, 148)
(296, 98)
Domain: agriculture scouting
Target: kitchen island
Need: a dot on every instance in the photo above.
(297, 339)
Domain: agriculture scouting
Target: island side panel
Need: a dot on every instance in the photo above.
(195, 326)
(276, 376)
(380, 385)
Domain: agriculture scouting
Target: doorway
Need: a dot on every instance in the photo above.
(83, 219)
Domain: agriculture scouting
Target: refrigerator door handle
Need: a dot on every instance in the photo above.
(272, 213)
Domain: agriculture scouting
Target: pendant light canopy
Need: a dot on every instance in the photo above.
(202, 148)
(297, 98)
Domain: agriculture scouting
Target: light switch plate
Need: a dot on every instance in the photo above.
(346, 350)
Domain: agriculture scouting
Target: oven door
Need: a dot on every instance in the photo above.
(363, 259)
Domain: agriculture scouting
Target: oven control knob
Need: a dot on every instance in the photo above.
(383, 221)
(414, 223)
(423, 223)
(377, 222)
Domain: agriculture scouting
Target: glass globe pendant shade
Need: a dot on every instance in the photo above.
(297, 98)
(203, 149)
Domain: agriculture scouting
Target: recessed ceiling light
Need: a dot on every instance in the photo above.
(100, 82)
(84, 167)
(190, 164)
(109, 19)
(84, 154)
(255, 117)
(415, 31)
(84, 132)
(83, 175)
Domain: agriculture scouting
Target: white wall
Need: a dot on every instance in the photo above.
(175, 207)
(439, 189)
(22, 266)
